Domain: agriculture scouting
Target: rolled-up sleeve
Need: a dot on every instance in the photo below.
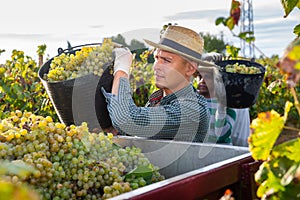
(166, 121)
(128, 118)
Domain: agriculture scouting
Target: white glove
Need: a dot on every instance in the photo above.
(212, 57)
(123, 59)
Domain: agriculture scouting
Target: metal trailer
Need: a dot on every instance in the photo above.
(194, 170)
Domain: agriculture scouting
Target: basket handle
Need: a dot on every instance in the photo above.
(61, 50)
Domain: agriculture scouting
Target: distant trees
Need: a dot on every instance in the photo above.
(213, 43)
(134, 44)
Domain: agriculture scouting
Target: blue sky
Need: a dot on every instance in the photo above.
(27, 24)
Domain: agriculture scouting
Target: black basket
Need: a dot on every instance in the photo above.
(241, 89)
(80, 100)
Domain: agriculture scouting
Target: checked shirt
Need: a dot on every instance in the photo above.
(182, 116)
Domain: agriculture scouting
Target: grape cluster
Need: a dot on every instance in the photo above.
(87, 60)
(242, 69)
(70, 161)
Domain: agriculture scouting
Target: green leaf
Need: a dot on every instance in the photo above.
(262, 173)
(5, 88)
(248, 36)
(145, 171)
(232, 51)
(230, 23)
(116, 146)
(17, 167)
(243, 35)
(220, 20)
(293, 50)
(18, 90)
(297, 29)
(270, 186)
(289, 149)
(2, 95)
(250, 39)
(289, 175)
(41, 49)
(287, 109)
(276, 86)
(266, 129)
(289, 5)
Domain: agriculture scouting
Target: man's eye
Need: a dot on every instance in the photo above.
(166, 60)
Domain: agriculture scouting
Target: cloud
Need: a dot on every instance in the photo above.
(198, 14)
(22, 36)
(96, 26)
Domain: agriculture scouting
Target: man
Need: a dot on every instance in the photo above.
(176, 111)
(227, 125)
(222, 119)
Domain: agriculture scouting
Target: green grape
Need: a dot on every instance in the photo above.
(67, 168)
(88, 60)
(242, 69)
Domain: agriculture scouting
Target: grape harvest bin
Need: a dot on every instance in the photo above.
(194, 170)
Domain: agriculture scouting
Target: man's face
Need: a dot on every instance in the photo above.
(205, 84)
(172, 72)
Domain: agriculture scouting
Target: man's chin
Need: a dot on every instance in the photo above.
(204, 93)
(160, 86)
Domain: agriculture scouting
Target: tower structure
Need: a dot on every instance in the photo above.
(247, 26)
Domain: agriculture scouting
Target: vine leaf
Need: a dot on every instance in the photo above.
(297, 28)
(289, 64)
(270, 186)
(17, 167)
(289, 5)
(289, 149)
(265, 131)
(230, 23)
(220, 20)
(289, 175)
(266, 128)
(145, 171)
(235, 11)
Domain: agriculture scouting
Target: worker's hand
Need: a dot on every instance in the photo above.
(123, 59)
(212, 57)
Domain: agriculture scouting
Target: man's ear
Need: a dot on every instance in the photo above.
(196, 73)
(191, 70)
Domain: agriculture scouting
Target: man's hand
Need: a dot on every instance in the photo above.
(123, 59)
(212, 57)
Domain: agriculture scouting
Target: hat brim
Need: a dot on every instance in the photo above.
(167, 48)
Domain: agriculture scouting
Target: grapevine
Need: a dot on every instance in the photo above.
(20, 87)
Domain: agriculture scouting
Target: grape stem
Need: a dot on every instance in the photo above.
(295, 99)
(291, 128)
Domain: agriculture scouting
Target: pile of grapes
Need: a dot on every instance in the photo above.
(87, 60)
(242, 69)
(70, 162)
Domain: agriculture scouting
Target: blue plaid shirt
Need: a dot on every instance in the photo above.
(182, 116)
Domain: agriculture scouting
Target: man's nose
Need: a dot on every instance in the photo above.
(156, 66)
(202, 80)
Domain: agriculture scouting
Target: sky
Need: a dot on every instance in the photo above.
(24, 25)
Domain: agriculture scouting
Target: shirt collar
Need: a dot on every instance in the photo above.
(158, 98)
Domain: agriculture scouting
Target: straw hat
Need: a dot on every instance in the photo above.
(182, 41)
